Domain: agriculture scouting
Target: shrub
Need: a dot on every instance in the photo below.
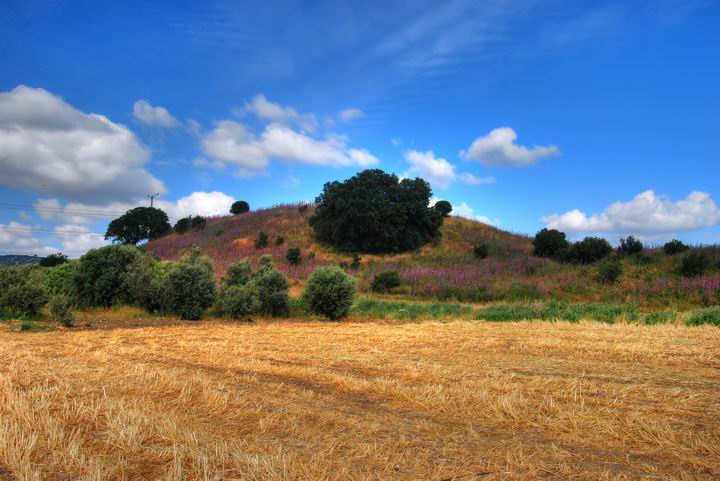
(630, 246)
(376, 212)
(60, 311)
(99, 279)
(25, 299)
(239, 207)
(550, 243)
(386, 281)
(238, 274)
(609, 271)
(695, 263)
(590, 249)
(138, 224)
(59, 279)
(190, 286)
(481, 251)
(145, 283)
(329, 292)
(293, 256)
(198, 222)
(443, 207)
(53, 260)
(675, 247)
(262, 241)
(182, 225)
(709, 315)
(660, 317)
(238, 302)
(355, 264)
(279, 240)
(272, 288)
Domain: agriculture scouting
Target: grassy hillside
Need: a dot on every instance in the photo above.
(448, 269)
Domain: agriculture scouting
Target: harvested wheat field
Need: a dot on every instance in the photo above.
(322, 401)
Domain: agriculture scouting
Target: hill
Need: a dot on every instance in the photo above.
(448, 268)
(18, 260)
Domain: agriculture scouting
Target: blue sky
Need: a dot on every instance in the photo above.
(592, 117)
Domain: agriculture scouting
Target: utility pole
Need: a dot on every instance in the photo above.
(152, 198)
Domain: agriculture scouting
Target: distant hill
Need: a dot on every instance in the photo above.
(18, 260)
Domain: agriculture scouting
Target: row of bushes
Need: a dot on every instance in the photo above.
(123, 274)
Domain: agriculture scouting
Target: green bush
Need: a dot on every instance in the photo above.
(279, 240)
(99, 279)
(590, 249)
(53, 260)
(145, 283)
(355, 264)
(272, 288)
(60, 311)
(609, 271)
(59, 279)
(443, 207)
(675, 247)
(695, 263)
(182, 225)
(190, 286)
(709, 315)
(660, 317)
(24, 299)
(630, 246)
(239, 207)
(238, 274)
(330, 292)
(508, 313)
(550, 243)
(481, 251)
(238, 302)
(385, 281)
(262, 241)
(293, 256)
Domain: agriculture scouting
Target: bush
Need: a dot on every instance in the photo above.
(550, 243)
(145, 283)
(99, 279)
(24, 299)
(675, 247)
(238, 274)
(239, 207)
(709, 315)
(293, 256)
(279, 240)
(609, 271)
(443, 207)
(262, 241)
(272, 288)
(375, 212)
(590, 249)
(198, 222)
(238, 302)
(53, 260)
(630, 246)
(385, 281)
(182, 225)
(60, 311)
(190, 286)
(481, 251)
(695, 263)
(59, 279)
(329, 292)
(355, 264)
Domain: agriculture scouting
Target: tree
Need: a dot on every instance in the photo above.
(443, 207)
(695, 263)
(375, 212)
(239, 207)
(330, 292)
(53, 260)
(99, 278)
(182, 225)
(137, 225)
(630, 246)
(190, 286)
(550, 243)
(293, 256)
(590, 249)
(675, 247)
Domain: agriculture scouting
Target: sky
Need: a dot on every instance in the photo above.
(595, 118)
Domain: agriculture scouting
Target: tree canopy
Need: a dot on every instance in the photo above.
(137, 225)
(239, 207)
(375, 212)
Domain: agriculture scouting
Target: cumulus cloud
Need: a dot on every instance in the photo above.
(18, 238)
(464, 210)
(48, 146)
(438, 171)
(233, 143)
(647, 214)
(153, 116)
(498, 148)
(348, 115)
(198, 203)
(274, 112)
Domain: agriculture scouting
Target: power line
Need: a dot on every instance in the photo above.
(66, 211)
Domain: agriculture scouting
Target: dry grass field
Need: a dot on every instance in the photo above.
(361, 401)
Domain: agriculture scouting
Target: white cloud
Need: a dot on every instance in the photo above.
(198, 203)
(499, 148)
(464, 210)
(348, 115)
(77, 239)
(274, 112)
(647, 214)
(48, 146)
(18, 238)
(233, 143)
(438, 171)
(153, 116)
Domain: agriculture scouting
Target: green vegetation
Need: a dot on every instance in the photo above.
(239, 207)
(190, 286)
(630, 246)
(272, 288)
(99, 279)
(695, 263)
(710, 315)
(481, 251)
(293, 256)
(137, 225)
(385, 281)
(330, 292)
(609, 271)
(675, 247)
(262, 241)
(550, 243)
(61, 311)
(53, 260)
(402, 310)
